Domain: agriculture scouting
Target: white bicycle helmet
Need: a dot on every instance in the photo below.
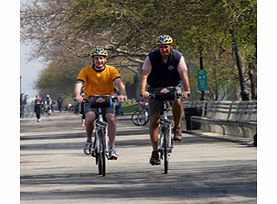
(164, 40)
(99, 52)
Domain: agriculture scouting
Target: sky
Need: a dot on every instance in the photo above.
(29, 70)
(12, 68)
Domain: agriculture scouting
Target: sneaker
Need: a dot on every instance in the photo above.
(155, 160)
(112, 154)
(87, 147)
(93, 153)
(177, 134)
(177, 137)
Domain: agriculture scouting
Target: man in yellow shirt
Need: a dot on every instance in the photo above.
(97, 79)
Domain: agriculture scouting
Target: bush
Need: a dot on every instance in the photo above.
(129, 106)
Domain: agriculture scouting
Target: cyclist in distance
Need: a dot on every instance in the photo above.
(48, 104)
(99, 79)
(164, 67)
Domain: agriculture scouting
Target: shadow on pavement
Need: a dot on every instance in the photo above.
(215, 181)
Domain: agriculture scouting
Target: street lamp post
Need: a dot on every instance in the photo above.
(202, 67)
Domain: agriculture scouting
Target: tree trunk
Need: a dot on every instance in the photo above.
(244, 94)
(253, 83)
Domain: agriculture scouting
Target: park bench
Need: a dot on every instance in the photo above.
(234, 118)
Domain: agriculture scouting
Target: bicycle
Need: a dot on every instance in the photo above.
(100, 144)
(165, 124)
(141, 116)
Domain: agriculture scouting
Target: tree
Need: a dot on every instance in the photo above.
(128, 30)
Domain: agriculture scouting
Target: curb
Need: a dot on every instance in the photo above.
(201, 133)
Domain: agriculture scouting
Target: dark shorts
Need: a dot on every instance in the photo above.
(105, 110)
(82, 112)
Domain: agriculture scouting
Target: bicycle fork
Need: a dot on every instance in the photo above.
(165, 131)
(100, 128)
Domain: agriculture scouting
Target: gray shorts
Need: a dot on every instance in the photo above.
(156, 106)
(87, 108)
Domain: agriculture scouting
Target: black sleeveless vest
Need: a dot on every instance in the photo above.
(164, 74)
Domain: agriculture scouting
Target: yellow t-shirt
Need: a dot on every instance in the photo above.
(98, 82)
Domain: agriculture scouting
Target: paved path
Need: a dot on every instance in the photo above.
(202, 170)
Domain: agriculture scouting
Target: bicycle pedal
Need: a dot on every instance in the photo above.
(112, 158)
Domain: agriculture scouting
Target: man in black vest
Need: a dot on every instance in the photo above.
(164, 67)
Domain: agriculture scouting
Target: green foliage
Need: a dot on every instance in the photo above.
(59, 77)
(129, 106)
(128, 28)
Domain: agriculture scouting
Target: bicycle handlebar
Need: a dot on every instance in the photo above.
(152, 95)
(114, 98)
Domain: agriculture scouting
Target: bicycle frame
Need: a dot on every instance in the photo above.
(165, 124)
(165, 139)
(100, 125)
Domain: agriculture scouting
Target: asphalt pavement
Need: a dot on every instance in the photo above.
(202, 169)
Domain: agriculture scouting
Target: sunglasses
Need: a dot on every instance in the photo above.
(164, 46)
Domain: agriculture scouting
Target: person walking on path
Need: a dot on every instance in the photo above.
(37, 107)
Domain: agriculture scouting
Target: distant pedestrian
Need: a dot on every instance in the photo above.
(118, 107)
(60, 104)
(82, 112)
(37, 107)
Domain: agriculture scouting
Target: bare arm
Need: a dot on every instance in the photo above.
(121, 89)
(77, 91)
(143, 82)
(185, 80)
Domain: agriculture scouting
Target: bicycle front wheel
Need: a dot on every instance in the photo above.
(134, 118)
(165, 150)
(140, 118)
(102, 153)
